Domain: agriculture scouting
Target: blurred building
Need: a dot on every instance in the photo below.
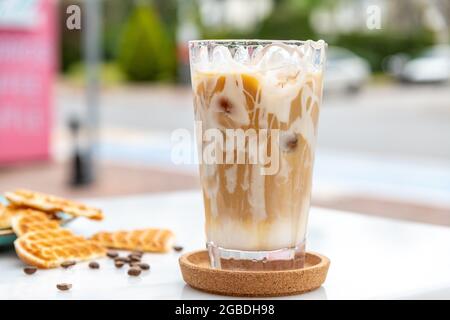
(27, 71)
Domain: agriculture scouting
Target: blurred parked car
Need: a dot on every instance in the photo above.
(433, 65)
(345, 71)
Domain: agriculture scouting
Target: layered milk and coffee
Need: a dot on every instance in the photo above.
(257, 200)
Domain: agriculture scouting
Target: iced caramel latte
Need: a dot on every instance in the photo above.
(262, 100)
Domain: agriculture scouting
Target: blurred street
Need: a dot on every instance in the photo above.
(394, 120)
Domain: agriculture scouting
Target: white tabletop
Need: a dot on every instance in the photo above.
(370, 257)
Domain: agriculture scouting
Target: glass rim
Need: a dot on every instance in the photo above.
(315, 43)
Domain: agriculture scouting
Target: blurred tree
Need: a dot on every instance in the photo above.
(115, 13)
(146, 52)
(403, 31)
(167, 10)
(378, 45)
(291, 19)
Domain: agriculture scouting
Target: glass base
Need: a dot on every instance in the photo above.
(281, 259)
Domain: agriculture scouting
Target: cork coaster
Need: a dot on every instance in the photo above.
(197, 272)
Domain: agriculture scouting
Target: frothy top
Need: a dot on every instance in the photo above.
(235, 56)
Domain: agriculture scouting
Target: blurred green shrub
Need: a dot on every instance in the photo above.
(376, 46)
(114, 15)
(146, 52)
(291, 19)
(287, 24)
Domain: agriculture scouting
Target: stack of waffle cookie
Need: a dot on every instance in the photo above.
(43, 243)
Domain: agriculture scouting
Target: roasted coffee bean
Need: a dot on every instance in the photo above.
(68, 264)
(112, 254)
(144, 266)
(178, 248)
(94, 265)
(64, 286)
(119, 264)
(134, 263)
(134, 271)
(29, 270)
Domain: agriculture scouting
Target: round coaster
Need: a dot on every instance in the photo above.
(198, 273)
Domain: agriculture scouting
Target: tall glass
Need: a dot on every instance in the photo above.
(256, 106)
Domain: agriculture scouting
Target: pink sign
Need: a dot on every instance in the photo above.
(27, 70)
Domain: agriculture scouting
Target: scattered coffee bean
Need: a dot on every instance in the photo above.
(119, 264)
(134, 263)
(94, 265)
(134, 271)
(144, 266)
(112, 254)
(134, 258)
(178, 248)
(29, 270)
(64, 286)
(68, 264)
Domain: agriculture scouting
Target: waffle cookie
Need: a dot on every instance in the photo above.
(149, 240)
(27, 220)
(5, 217)
(49, 203)
(50, 248)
